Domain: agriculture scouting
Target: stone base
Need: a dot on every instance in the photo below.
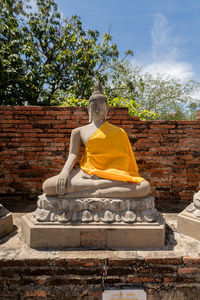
(93, 236)
(188, 224)
(95, 210)
(6, 222)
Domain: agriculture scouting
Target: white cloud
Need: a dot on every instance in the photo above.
(164, 57)
(163, 44)
(180, 70)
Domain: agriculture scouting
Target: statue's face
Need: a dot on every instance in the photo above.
(98, 110)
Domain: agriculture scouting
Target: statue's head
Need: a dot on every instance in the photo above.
(98, 104)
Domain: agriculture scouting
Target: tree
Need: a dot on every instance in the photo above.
(171, 98)
(161, 97)
(49, 60)
(11, 61)
(51, 54)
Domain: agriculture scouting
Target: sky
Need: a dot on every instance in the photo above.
(163, 34)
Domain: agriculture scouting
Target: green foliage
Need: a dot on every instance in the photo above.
(11, 61)
(134, 108)
(63, 99)
(164, 98)
(49, 60)
(171, 98)
(43, 53)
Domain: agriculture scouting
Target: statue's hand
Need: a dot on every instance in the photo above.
(61, 183)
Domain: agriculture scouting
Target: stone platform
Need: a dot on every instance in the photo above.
(172, 272)
(93, 236)
(6, 221)
(188, 224)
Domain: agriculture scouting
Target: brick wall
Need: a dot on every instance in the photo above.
(198, 115)
(161, 278)
(35, 141)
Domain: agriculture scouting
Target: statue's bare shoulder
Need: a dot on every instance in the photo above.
(83, 133)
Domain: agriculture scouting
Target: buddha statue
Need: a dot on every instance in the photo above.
(93, 178)
(108, 171)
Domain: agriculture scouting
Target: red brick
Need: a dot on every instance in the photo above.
(125, 262)
(95, 293)
(28, 108)
(13, 121)
(50, 121)
(36, 293)
(9, 129)
(23, 113)
(65, 112)
(164, 261)
(37, 112)
(59, 126)
(64, 117)
(121, 113)
(186, 122)
(191, 260)
(180, 279)
(25, 126)
(6, 112)
(69, 280)
(187, 271)
(163, 125)
(86, 262)
(136, 279)
(61, 139)
(79, 113)
(115, 122)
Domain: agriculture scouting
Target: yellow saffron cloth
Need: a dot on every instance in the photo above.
(108, 154)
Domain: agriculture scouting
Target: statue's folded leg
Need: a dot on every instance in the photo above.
(126, 190)
(49, 186)
(80, 181)
(79, 185)
(77, 182)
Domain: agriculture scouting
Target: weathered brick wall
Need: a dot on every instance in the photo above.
(198, 115)
(161, 278)
(35, 141)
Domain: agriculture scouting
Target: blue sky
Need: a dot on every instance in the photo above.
(164, 34)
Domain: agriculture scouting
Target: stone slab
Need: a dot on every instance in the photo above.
(188, 224)
(6, 222)
(97, 236)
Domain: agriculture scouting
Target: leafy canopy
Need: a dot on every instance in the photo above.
(49, 60)
(41, 53)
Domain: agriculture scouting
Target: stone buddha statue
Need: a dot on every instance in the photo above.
(106, 180)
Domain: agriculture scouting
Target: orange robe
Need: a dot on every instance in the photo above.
(108, 154)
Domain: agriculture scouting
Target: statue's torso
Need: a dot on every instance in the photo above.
(87, 131)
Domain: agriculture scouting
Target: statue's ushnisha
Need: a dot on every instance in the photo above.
(108, 170)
